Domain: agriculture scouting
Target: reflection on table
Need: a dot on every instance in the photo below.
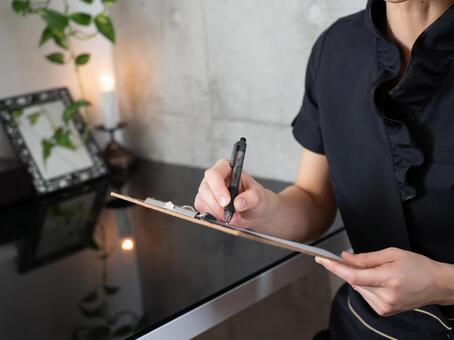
(78, 265)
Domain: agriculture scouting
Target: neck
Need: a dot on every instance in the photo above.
(406, 20)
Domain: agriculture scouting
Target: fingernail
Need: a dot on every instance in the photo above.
(318, 260)
(240, 204)
(223, 201)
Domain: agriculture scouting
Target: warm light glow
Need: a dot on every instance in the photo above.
(127, 244)
(107, 82)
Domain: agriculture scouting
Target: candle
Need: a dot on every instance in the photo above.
(109, 101)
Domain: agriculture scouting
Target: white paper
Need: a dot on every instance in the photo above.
(316, 250)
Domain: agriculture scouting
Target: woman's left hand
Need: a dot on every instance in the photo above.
(390, 280)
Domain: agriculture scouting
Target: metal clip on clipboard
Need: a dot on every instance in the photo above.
(189, 211)
(186, 210)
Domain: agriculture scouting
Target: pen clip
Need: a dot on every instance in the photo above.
(233, 158)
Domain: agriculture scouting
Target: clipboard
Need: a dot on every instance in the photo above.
(190, 214)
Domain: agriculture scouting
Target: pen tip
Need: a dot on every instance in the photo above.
(228, 216)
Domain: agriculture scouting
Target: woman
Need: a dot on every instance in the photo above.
(377, 130)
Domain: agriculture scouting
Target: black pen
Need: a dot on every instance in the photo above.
(236, 163)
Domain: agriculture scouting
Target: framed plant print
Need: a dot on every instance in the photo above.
(50, 137)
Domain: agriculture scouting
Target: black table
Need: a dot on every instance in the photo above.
(78, 265)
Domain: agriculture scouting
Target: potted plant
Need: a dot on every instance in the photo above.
(63, 28)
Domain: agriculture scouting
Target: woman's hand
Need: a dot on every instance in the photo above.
(252, 205)
(391, 280)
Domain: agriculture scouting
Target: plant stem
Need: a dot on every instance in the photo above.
(73, 56)
(81, 36)
(42, 3)
(36, 6)
(80, 83)
(66, 6)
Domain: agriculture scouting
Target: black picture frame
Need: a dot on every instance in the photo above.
(42, 185)
(41, 246)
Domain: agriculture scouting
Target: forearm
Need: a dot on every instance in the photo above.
(295, 214)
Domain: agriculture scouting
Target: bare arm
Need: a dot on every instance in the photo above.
(300, 212)
(306, 209)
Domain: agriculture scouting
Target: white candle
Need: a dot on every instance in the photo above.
(109, 101)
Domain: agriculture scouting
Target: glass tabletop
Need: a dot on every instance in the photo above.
(81, 265)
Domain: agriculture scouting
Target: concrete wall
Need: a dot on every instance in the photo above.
(23, 68)
(195, 75)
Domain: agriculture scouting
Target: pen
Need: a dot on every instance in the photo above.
(236, 163)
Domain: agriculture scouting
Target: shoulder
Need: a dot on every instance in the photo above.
(347, 40)
(349, 24)
(344, 30)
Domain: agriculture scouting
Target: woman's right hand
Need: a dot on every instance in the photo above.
(252, 205)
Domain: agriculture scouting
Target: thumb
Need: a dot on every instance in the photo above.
(368, 260)
(248, 199)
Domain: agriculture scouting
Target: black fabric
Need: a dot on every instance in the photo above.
(389, 144)
(390, 149)
(352, 318)
(306, 125)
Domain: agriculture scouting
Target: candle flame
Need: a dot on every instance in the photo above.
(127, 244)
(107, 82)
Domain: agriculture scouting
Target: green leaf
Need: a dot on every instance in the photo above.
(62, 137)
(54, 19)
(21, 7)
(81, 18)
(105, 26)
(82, 59)
(88, 1)
(46, 35)
(17, 113)
(56, 58)
(72, 108)
(33, 117)
(108, 2)
(60, 38)
(47, 147)
(111, 290)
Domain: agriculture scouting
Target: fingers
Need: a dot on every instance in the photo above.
(213, 195)
(362, 277)
(371, 299)
(201, 205)
(215, 178)
(247, 200)
(238, 220)
(208, 197)
(372, 259)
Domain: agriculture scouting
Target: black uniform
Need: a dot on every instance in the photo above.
(390, 150)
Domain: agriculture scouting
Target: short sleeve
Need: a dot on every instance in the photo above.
(306, 124)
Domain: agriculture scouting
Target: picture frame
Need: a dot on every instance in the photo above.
(61, 225)
(56, 157)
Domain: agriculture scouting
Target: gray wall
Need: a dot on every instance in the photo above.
(195, 75)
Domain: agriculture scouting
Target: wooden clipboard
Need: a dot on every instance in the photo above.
(235, 230)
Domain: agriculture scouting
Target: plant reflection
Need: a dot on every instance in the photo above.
(96, 305)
